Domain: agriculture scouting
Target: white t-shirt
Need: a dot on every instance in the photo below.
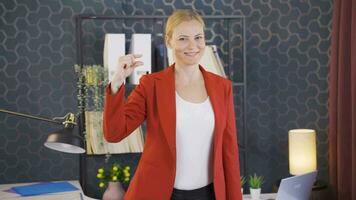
(194, 144)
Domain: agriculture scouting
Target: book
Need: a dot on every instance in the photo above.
(44, 188)
(114, 48)
(217, 61)
(141, 44)
(161, 59)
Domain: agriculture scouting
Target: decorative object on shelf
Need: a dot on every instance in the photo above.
(64, 140)
(302, 151)
(243, 181)
(92, 80)
(114, 191)
(255, 182)
(113, 177)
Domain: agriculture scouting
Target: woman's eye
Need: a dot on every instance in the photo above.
(199, 38)
(181, 39)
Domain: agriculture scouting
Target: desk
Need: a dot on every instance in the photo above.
(265, 196)
(72, 195)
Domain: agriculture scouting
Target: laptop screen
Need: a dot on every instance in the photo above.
(297, 187)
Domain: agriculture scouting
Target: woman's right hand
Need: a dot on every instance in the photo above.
(125, 67)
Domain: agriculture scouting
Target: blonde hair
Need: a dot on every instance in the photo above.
(178, 17)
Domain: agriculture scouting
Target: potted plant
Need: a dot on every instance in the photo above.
(255, 183)
(113, 177)
(243, 181)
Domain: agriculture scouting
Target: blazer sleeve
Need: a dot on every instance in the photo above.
(121, 117)
(230, 153)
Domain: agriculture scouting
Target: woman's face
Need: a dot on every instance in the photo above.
(187, 42)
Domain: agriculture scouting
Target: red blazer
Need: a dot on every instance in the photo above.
(153, 100)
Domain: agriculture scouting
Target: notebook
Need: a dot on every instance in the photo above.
(43, 188)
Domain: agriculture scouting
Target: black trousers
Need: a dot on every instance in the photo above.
(204, 193)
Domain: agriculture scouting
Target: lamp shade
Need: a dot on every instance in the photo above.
(302, 151)
(64, 140)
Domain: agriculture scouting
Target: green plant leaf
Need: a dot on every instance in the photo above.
(255, 181)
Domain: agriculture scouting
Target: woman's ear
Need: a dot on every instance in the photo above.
(168, 43)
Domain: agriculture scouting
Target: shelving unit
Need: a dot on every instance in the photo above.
(227, 32)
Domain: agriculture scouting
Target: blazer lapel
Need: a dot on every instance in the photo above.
(166, 103)
(215, 92)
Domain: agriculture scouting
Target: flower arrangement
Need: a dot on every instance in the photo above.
(116, 173)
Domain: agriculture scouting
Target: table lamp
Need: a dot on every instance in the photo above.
(302, 151)
(302, 155)
(63, 140)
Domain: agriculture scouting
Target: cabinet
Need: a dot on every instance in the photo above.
(227, 32)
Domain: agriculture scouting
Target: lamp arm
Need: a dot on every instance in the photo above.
(30, 116)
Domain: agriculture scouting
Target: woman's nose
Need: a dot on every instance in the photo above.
(192, 44)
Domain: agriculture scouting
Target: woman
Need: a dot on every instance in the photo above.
(191, 149)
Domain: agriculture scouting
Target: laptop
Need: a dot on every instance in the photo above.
(292, 188)
(296, 187)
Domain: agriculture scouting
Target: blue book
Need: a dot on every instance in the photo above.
(44, 188)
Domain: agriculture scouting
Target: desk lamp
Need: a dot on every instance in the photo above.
(63, 140)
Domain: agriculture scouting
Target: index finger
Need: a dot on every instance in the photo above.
(137, 55)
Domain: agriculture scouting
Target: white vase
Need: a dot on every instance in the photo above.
(242, 191)
(114, 191)
(255, 193)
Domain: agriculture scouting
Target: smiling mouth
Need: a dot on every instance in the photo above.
(191, 53)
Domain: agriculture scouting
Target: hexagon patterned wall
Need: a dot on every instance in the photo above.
(287, 51)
